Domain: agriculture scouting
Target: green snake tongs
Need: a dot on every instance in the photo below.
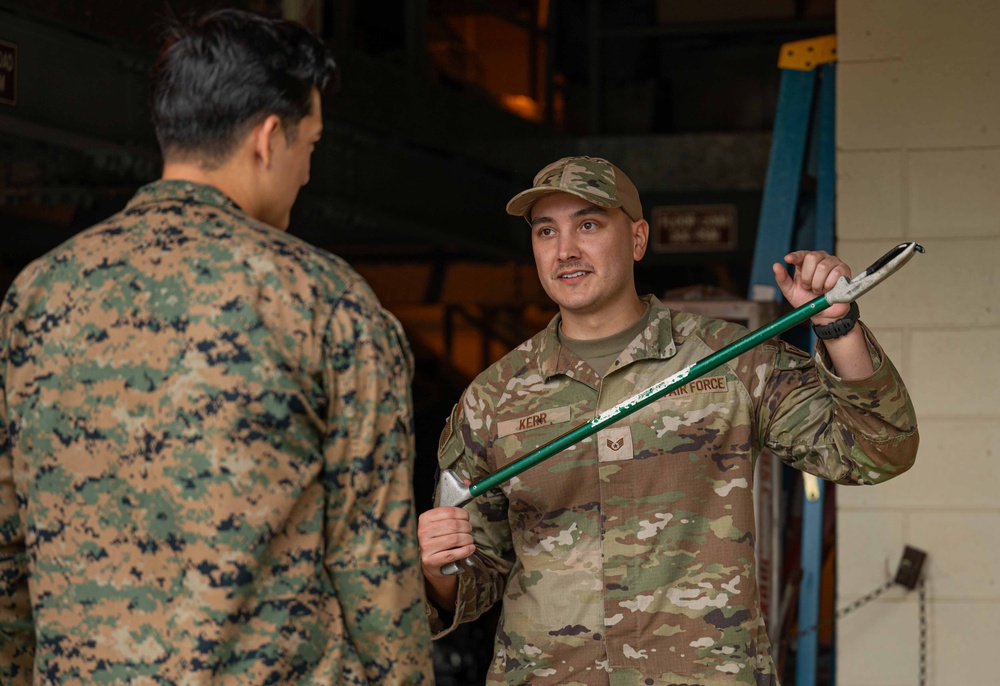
(454, 492)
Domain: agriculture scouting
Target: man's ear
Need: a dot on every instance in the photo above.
(264, 135)
(640, 237)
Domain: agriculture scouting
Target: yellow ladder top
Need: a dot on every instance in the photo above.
(805, 55)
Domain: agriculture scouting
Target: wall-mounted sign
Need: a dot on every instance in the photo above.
(8, 73)
(693, 228)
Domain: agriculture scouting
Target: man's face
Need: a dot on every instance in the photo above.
(585, 254)
(290, 165)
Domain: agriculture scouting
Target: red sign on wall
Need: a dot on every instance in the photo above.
(8, 73)
(693, 228)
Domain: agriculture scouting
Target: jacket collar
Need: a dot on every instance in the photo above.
(656, 341)
(185, 192)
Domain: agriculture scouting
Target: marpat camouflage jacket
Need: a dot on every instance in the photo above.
(205, 460)
(629, 558)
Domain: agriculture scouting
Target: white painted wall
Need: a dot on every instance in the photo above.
(918, 135)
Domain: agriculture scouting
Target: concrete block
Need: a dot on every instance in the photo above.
(870, 106)
(870, 195)
(955, 373)
(954, 193)
(952, 69)
(869, 30)
(964, 450)
(869, 547)
(893, 343)
(920, 74)
(963, 559)
(953, 284)
(952, 106)
(961, 642)
(956, 30)
(886, 652)
(878, 645)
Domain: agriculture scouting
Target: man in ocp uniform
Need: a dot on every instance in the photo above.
(629, 558)
(205, 423)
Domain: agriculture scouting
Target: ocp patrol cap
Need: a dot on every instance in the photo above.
(592, 178)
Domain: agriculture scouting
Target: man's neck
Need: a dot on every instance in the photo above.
(222, 178)
(608, 321)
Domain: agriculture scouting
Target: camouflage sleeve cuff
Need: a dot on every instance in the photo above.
(825, 365)
(442, 622)
(882, 395)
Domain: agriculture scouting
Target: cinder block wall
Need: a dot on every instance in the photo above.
(918, 134)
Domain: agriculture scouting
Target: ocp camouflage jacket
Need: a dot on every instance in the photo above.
(629, 558)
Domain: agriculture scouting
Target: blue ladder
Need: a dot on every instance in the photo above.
(803, 123)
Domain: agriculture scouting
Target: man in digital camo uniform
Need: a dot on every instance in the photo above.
(629, 558)
(206, 423)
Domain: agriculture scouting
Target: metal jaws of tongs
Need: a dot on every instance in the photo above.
(453, 492)
(848, 291)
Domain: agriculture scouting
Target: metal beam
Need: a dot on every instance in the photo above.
(772, 31)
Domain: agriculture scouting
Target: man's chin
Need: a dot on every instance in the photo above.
(575, 306)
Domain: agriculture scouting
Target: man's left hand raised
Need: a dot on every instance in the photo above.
(816, 272)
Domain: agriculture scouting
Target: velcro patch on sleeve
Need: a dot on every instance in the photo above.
(709, 384)
(450, 445)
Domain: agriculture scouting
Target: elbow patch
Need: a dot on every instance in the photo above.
(450, 446)
(790, 357)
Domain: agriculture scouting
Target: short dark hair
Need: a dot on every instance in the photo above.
(226, 72)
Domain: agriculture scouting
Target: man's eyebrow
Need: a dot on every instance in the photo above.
(593, 209)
